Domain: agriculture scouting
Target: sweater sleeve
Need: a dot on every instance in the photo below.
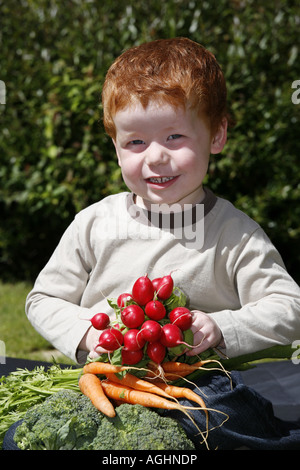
(53, 305)
(269, 299)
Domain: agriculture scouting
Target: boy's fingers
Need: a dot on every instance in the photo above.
(204, 344)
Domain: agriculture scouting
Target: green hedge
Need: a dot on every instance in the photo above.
(56, 158)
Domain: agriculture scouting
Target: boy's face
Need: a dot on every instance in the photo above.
(164, 152)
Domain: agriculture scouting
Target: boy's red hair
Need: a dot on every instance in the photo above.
(176, 71)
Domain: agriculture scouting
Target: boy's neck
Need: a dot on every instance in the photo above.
(148, 205)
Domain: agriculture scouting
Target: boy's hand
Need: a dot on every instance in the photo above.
(89, 343)
(206, 333)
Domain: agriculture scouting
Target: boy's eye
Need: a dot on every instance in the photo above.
(136, 142)
(174, 136)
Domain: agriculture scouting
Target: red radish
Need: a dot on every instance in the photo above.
(156, 282)
(156, 352)
(181, 317)
(132, 316)
(133, 340)
(131, 357)
(155, 310)
(150, 331)
(120, 327)
(111, 339)
(165, 287)
(143, 290)
(100, 321)
(171, 335)
(123, 299)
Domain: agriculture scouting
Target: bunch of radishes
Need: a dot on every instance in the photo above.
(145, 329)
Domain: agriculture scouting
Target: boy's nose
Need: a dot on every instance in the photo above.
(156, 154)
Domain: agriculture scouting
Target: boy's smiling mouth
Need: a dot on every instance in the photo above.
(161, 179)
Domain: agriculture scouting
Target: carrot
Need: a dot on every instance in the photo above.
(138, 384)
(161, 376)
(129, 395)
(186, 369)
(174, 370)
(184, 392)
(90, 386)
(179, 367)
(102, 368)
(126, 394)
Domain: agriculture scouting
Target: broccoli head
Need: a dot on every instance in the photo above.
(138, 428)
(68, 420)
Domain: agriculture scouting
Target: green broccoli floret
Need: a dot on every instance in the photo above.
(68, 421)
(65, 420)
(138, 428)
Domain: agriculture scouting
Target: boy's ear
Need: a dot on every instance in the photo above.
(220, 138)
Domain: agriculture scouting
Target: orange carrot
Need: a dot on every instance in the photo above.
(161, 376)
(168, 367)
(129, 395)
(174, 370)
(138, 384)
(184, 392)
(102, 368)
(178, 367)
(90, 386)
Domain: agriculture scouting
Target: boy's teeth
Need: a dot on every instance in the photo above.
(161, 180)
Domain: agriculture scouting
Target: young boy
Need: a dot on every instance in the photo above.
(165, 109)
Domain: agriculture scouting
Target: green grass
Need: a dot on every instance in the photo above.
(18, 336)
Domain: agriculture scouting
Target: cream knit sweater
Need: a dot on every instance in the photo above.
(230, 269)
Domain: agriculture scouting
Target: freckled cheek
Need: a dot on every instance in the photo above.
(192, 163)
(131, 171)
